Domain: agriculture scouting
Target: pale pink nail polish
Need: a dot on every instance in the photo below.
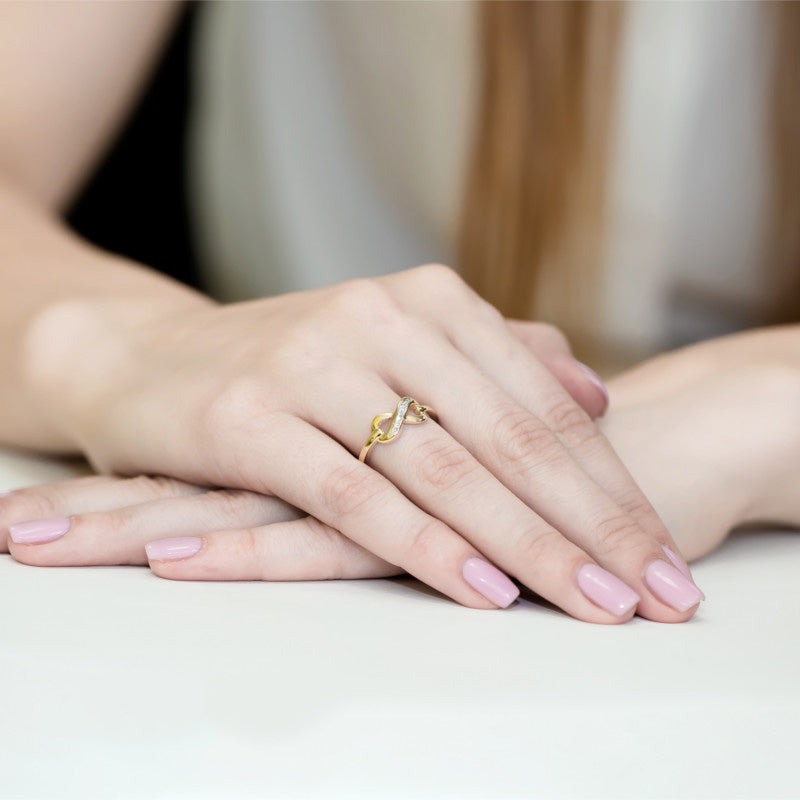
(671, 586)
(596, 380)
(676, 562)
(490, 582)
(39, 531)
(173, 549)
(6, 494)
(606, 590)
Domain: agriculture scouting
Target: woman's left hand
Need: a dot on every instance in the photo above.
(722, 423)
(104, 521)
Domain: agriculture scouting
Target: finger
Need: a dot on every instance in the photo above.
(509, 349)
(529, 458)
(445, 480)
(355, 499)
(299, 550)
(480, 337)
(528, 455)
(119, 536)
(551, 347)
(92, 493)
(582, 383)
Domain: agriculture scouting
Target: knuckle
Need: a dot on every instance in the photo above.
(327, 550)
(571, 422)
(523, 440)
(248, 543)
(639, 507)
(440, 274)
(362, 298)
(444, 282)
(444, 464)
(550, 336)
(539, 546)
(228, 505)
(422, 546)
(487, 312)
(616, 534)
(156, 486)
(241, 548)
(362, 306)
(346, 490)
(101, 523)
(31, 504)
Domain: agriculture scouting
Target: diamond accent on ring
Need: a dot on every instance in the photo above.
(398, 419)
(400, 416)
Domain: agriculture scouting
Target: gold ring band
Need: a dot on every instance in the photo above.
(408, 410)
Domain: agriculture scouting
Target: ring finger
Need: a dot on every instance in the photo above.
(442, 548)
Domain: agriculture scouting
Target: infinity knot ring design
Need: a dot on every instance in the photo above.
(408, 411)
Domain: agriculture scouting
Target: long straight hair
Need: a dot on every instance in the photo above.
(784, 245)
(532, 219)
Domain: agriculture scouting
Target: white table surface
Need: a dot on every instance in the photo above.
(116, 684)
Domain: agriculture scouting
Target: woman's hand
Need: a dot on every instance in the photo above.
(244, 535)
(276, 396)
(105, 521)
(712, 435)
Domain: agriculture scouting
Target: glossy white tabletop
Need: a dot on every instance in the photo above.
(116, 684)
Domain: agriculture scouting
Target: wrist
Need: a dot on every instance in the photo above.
(715, 452)
(775, 461)
(78, 354)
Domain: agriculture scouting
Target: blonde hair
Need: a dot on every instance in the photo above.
(784, 245)
(531, 226)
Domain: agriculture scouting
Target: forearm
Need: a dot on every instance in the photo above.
(712, 434)
(56, 286)
(777, 347)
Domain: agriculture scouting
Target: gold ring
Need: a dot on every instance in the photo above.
(408, 410)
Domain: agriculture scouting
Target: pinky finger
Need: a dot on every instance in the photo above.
(300, 550)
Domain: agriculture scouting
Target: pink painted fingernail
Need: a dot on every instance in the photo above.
(606, 590)
(671, 586)
(39, 531)
(596, 380)
(681, 566)
(6, 494)
(676, 562)
(173, 549)
(490, 582)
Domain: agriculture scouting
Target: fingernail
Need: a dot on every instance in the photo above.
(173, 549)
(606, 590)
(6, 494)
(596, 380)
(490, 582)
(681, 566)
(39, 531)
(676, 562)
(671, 586)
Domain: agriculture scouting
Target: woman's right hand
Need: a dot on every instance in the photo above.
(276, 396)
